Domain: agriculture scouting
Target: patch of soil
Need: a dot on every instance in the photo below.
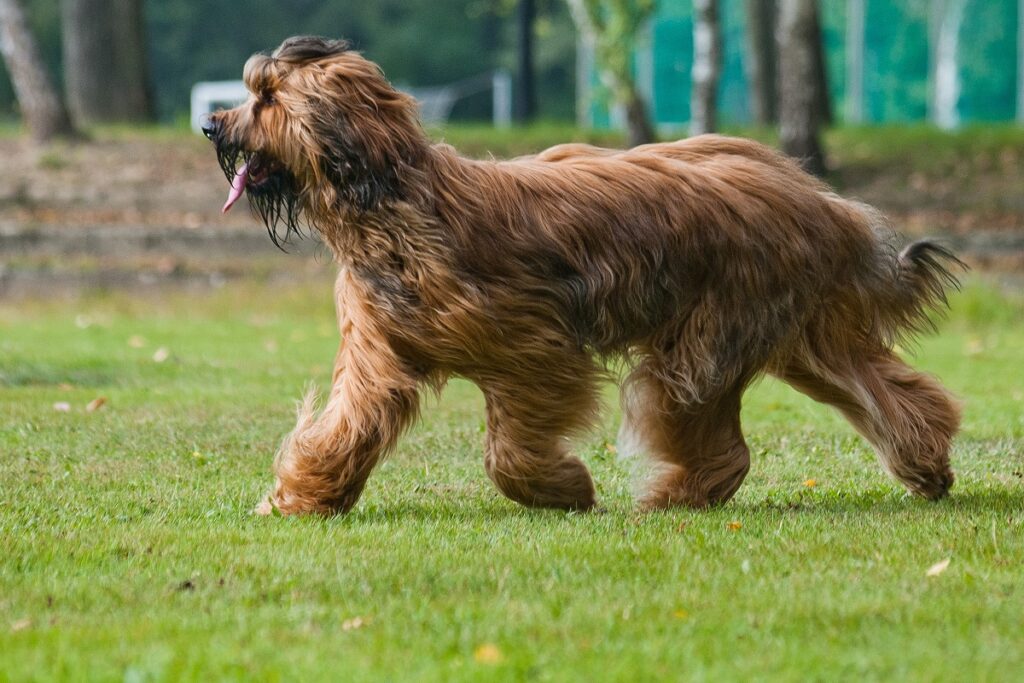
(132, 208)
(134, 181)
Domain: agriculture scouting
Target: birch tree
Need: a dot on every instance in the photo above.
(947, 17)
(41, 107)
(707, 67)
(611, 27)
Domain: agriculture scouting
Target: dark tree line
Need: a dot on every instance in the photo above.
(106, 47)
(421, 42)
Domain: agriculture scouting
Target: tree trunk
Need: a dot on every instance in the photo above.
(526, 98)
(762, 61)
(707, 61)
(639, 130)
(40, 104)
(133, 59)
(823, 103)
(799, 99)
(105, 65)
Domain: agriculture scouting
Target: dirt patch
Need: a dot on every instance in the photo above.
(133, 208)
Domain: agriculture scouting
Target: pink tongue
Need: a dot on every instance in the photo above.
(237, 187)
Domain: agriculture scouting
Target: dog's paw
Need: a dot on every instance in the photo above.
(264, 508)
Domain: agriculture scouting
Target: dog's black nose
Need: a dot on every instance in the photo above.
(209, 128)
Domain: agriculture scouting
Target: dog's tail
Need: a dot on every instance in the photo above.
(915, 287)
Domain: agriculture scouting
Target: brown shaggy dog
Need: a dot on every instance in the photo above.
(705, 263)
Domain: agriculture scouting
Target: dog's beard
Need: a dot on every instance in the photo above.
(274, 199)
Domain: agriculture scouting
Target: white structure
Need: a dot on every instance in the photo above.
(946, 78)
(210, 96)
(435, 103)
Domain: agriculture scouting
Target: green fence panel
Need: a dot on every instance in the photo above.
(899, 54)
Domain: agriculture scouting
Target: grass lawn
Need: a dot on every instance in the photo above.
(130, 551)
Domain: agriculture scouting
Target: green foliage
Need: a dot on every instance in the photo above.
(130, 551)
(614, 26)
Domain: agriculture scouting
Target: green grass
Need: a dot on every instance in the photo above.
(130, 551)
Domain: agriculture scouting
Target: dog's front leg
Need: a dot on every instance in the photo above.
(323, 464)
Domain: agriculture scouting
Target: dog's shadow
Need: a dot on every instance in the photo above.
(500, 512)
(984, 500)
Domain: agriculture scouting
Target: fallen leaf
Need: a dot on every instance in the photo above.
(610, 447)
(353, 623)
(263, 508)
(62, 407)
(64, 386)
(938, 567)
(682, 525)
(161, 354)
(488, 653)
(735, 525)
(96, 404)
(136, 342)
(811, 483)
(21, 624)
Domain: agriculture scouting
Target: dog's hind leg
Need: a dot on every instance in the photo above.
(527, 454)
(907, 416)
(699, 450)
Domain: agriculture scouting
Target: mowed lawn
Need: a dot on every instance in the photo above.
(130, 551)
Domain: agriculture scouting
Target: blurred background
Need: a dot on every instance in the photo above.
(912, 105)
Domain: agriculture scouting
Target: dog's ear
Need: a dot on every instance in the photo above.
(373, 144)
(365, 175)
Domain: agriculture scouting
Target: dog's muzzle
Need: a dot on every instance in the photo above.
(209, 128)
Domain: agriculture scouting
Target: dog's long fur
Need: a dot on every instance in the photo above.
(704, 263)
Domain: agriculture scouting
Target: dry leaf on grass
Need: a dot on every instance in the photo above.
(735, 525)
(264, 508)
(21, 624)
(96, 404)
(354, 623)
(938, 567)
(488, 653)
(161, 354)
(62, 407)
(136, 342)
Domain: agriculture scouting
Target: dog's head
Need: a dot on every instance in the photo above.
(322, 131)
